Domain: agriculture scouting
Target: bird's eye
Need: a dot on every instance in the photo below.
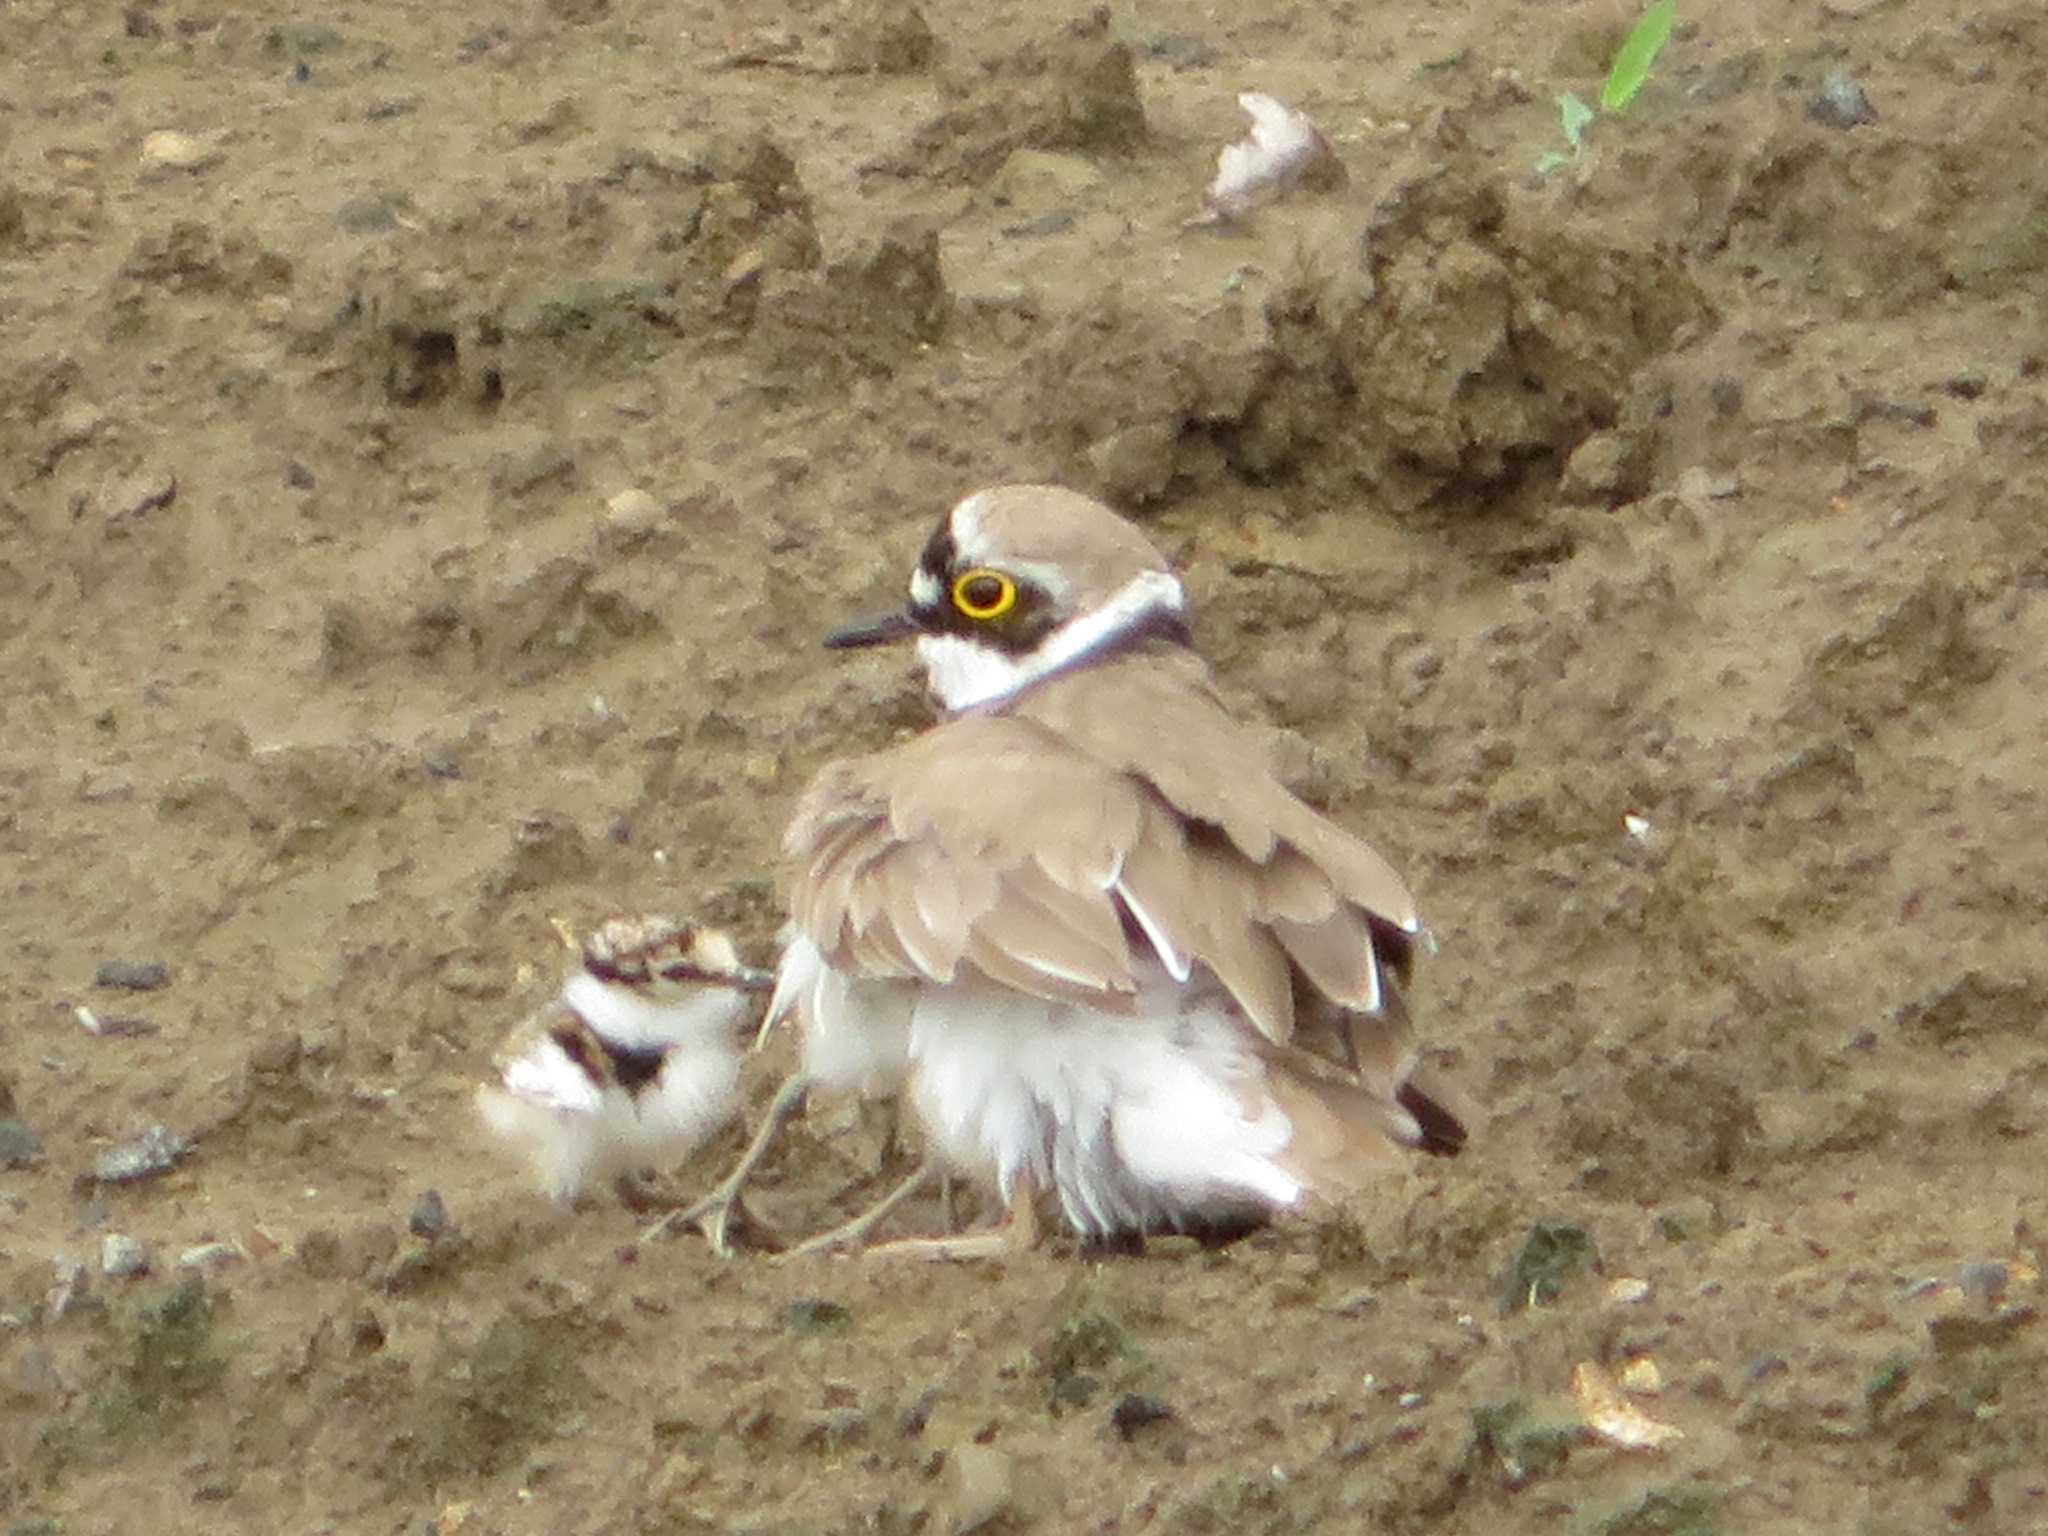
(984, 595)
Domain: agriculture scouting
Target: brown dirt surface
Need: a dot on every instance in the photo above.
(1702, 481)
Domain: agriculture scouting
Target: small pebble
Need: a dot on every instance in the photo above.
(133, 975)
(1841, 102)
(1135, 1410)
(71, 1283)
(298, 477)
(157, 1150)
(913, 1420)
(136, 496)
(984, 1487)
(112, 1026)
(429, 1217)
(1985, 1281)
(210, 1256)
(1356, 1303)
(633, 514)
(1409, 1401)
(365, 1333)
(1628, 1290)
(169, 150)
(122, 1256)
(1698, 484)
(20, 1147)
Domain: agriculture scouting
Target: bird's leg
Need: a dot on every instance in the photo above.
(1017, 1232)
(714, 1213)
(854, 1233)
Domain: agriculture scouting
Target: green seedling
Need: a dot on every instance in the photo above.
(1519, 1445)
(1625, 79)
(1631, 66)
(172, 1360)
(1553, 1254)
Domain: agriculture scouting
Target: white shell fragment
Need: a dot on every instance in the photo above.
(1612, 1417)
(1283, 149)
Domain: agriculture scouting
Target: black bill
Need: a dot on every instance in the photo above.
(885, 630)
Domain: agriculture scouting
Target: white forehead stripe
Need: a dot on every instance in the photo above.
(924, 588)
(964, 673)
(965, 522)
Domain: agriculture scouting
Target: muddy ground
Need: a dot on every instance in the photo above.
(1700, 481)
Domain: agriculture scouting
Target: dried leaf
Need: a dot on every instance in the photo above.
(1611, 1416)
(1641, 1376)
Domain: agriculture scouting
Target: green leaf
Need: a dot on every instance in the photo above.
(1575, 115)
(1631, 66)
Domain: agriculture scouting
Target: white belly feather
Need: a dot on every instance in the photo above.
(856, 1034)
(1137, 1123)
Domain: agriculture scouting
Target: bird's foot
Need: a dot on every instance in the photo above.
(854, 1234)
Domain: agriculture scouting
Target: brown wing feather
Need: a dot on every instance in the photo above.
(1036, 844)
(1336, 956)
(990, 847)
(1292, 889)
(1082, 939)
(1155, 717)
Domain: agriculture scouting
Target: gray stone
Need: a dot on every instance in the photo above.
(429, 1217)
(20, 1147)
(210, 1256)
(1841, 103)
(1137, 1410)
(134, 975)
(122, 1256)
(157, 1150)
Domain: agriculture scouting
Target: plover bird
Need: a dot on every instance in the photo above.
(634, 1063)
(868, 1063)
(1115, 960)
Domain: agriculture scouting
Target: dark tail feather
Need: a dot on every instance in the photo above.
(1443, 1133)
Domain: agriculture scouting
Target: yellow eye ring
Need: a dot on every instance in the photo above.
(983, 594)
